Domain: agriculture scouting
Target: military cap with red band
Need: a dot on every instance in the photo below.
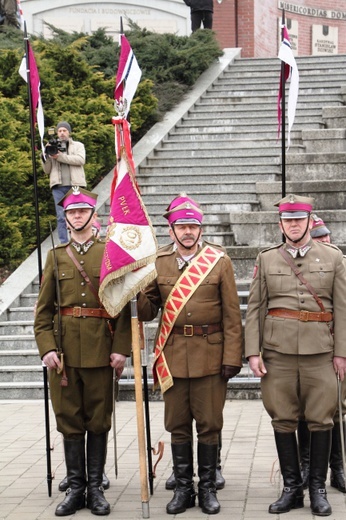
(77, 198)
(295, 206)
(184, 210)
(319, 229)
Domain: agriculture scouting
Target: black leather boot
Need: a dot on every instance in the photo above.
(96, 450)
(219, 480)
(292, 496)
(75, 464)
(207, 460)
(170, 482)
(319, 458)
(304, 451)
(337, 477)
(184, 494)
(63, 485)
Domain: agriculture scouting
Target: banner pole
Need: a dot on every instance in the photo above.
(39, 256)
(139, 408)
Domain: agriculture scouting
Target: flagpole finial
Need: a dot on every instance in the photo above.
(120, 106)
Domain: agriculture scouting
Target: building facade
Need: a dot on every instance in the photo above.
(316, 27)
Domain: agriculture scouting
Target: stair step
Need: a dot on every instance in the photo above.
(224, 152)
(19, 357)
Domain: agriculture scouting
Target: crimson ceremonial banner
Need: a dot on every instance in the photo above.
(130, 252)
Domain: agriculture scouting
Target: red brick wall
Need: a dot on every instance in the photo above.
(253, 25)
(224, 23)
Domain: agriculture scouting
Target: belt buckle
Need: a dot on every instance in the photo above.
(77, 312)
(304, 315)
(186, 333)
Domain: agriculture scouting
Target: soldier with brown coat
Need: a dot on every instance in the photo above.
(198, 348)
(81, 344)
(295, 341)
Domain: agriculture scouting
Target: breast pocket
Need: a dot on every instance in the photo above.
(166, 284)
(208, 289)
(279, 278)
(322, 274)
(66, 277)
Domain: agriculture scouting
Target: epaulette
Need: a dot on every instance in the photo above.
(331, 245)
(165, 250)
(270, 248)
(213, 244)
(60, 246)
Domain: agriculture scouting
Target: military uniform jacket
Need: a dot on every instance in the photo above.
(214, 301)
(86, 342)
(276, 286)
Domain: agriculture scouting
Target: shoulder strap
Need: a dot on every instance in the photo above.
(83, 273)
(297, 272)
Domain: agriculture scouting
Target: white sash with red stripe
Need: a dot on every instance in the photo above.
(186, 285)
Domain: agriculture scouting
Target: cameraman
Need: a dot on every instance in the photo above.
(64, 163)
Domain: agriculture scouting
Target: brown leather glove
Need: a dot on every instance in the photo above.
(228, 371)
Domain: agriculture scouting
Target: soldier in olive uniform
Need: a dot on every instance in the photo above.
(295, 341)
(321, 233)
(200, 350)
(90, 346)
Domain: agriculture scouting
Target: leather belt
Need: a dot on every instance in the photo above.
(301, 315)
(78, 312)
(197, 330)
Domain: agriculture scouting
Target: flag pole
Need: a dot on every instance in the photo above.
(33, 157)
(283, 117)
(139, 408)
(39, 255)
(146, 393)
(144, 357)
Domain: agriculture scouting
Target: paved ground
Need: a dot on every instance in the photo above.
(248, 457)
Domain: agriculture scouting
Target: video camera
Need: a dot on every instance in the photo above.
(55, 144)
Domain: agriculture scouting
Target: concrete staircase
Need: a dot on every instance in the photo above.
(220, 146)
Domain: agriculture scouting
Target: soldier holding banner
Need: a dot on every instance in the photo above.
(81, 344)
(198, 347)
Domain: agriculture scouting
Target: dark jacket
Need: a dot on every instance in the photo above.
(200, 5)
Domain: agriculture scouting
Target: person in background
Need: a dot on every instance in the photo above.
(321, 233)
(295, 341)
(81, 345)
(201, 12)
(198, 348)
(64, 163)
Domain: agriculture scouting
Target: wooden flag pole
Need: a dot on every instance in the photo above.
(139, 408)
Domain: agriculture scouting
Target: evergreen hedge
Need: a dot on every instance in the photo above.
(77, 74)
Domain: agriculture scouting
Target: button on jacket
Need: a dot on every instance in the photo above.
(276, 286)
(214, 302)
(86, 341)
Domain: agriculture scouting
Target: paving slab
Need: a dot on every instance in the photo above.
(249, 464)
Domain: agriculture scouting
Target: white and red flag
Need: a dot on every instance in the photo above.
(290, 71)
(128, 263)
(36, 103)
(128, 75)
(20, 15)
(130, 252)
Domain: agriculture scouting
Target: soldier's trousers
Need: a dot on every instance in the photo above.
(85, 404)
(297, 385)
(201, 399)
